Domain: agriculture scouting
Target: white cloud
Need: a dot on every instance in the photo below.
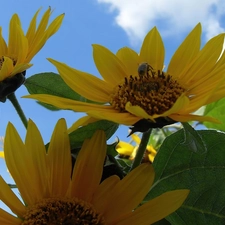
(172, 17)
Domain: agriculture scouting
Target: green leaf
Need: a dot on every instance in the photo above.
(112, 167)
(52, 84)
(193, 139)
(216, 110)
(78, 136)
(162, 222)
(179, 166)
(111, 149)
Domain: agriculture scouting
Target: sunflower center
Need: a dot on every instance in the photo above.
(153, 91)
(62, 211)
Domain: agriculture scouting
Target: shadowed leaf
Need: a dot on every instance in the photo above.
(179, 166)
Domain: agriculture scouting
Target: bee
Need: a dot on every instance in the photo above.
(143, 69)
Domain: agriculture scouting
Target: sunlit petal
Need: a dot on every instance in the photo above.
(135, 87)
(84, 83)
(186, 53)
(83, 121)
(159, 207)
(130, 59)
(108, 65)
(152, 50)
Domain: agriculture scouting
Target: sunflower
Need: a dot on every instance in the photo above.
(52, 195)
(21, 48)
(127, 150)
(135, 87)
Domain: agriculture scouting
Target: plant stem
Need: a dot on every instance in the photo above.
(141, 149)
(15, 103)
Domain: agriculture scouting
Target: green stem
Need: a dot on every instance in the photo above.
(141, 149)
(18, 108)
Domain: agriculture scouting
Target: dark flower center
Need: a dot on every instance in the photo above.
(62, 211)
(154, 91)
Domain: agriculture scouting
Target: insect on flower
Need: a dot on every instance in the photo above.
(144, 69)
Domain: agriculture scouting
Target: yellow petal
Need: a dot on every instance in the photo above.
(203, 95)
(136, 185)
(10, 199)
(136, 138)
(221, 61)
(13, 35)
(65, 103)
(215, 83)
(85, 84)
(208, 85)
(151, 150)
(88, 168)
(18, 163)
(3, 46)
(151, 157)
(32, 28)
(22, 46)
(18, 44)
(8, 219)
(181, 103)
(108, 65)
(6, 69)
(152, 50)
(220, 93)
(55, 25)
(138, 111)
(204, 63)
(83, 121)
(156, 209)
(40, 41)
(130, 59)
(124, 148)
(19, 68)
(59, 160)
(35, 150)
(42, 26)
(103, 193)
(114, 116)
(186, 52)
(105, 112)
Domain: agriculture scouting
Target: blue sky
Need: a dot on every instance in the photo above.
(114, 24)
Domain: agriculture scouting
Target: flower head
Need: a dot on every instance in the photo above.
(127, 150)
(53, 195)
(21, 48)
(135, 87)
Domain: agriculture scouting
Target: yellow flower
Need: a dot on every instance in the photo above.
(128, 150)
(52, 194)
(21, 48)
(134, 87)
